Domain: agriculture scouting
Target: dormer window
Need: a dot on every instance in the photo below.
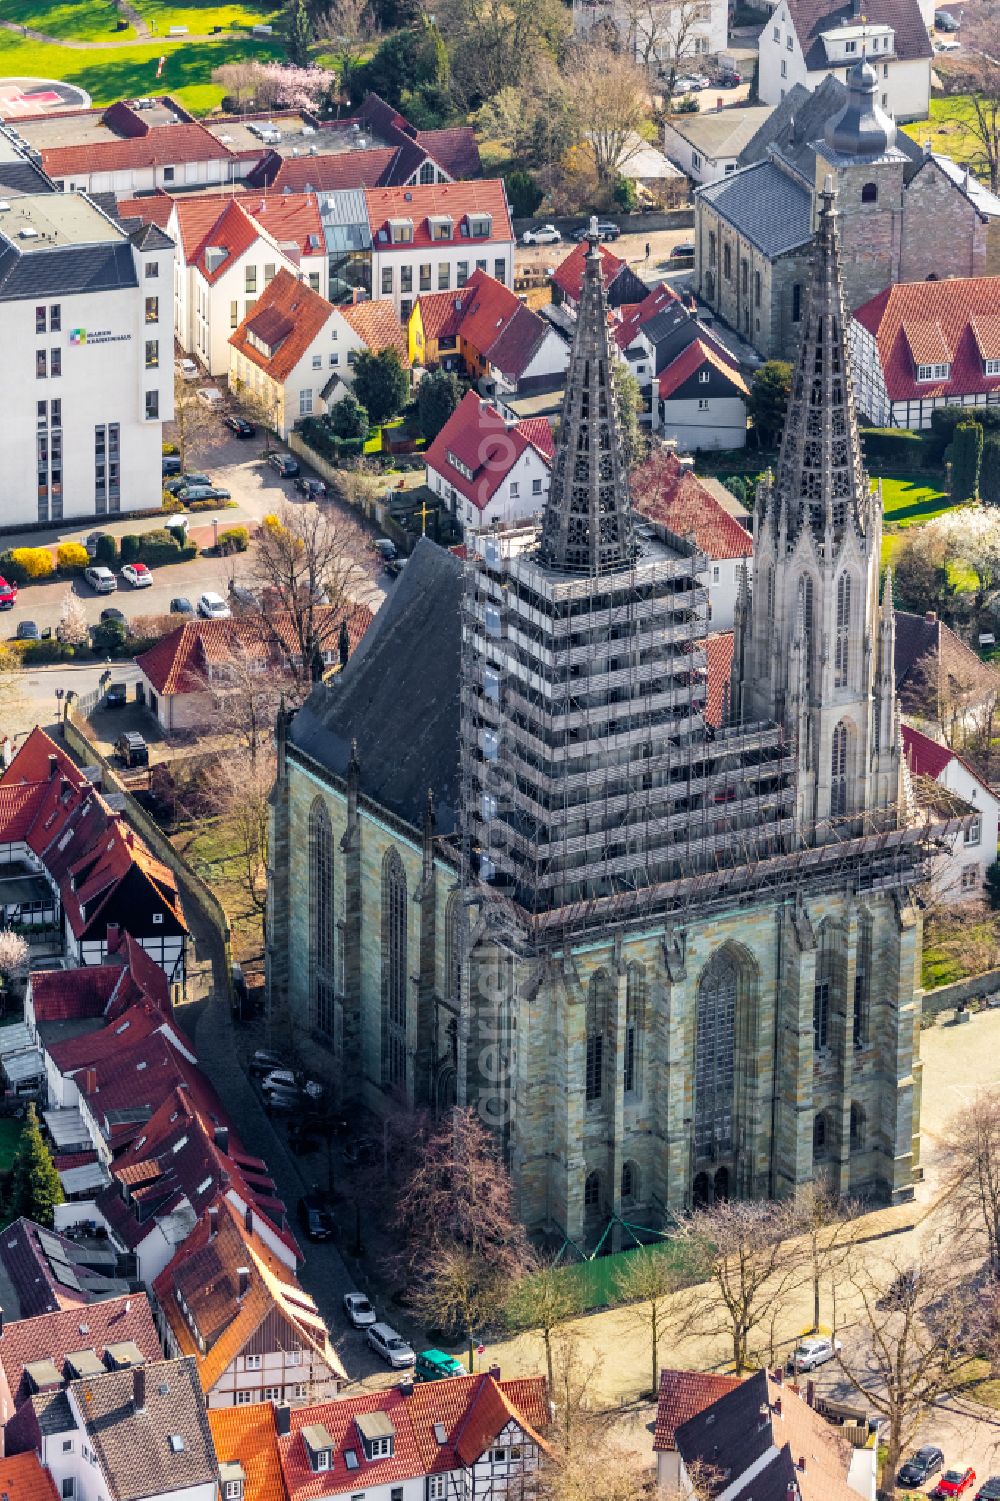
(401, 231)
(933, 372)
(440, 226)
(319, 1448)
(456, 463)
(232, 1481)
(480, 226)
(378, 1434)
(991, 367)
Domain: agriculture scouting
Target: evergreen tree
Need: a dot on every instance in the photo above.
(437, 397)
(380, 384)
(966, 459)
(348, 418)
(989, 472)
(523, 193)
(299, 29)
(769, 391)
(35, 1186)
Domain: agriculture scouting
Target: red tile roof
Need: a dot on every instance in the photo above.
(377, 323)
(232, 231)
(634, 314)
(441, 313)
(166, 145)
(719, 653)
(288, 315)
(471, 1409)
(684, 1394)
(538, 431)
(928, 758)
(457, 200)
(455, 149)
(23, 1477)
(690, 360)
(673, 496)
(156, 208)
(248, 1435)
(95, 990)
(53, 1336)
(952, 322)
(569, 274)
(484, 444)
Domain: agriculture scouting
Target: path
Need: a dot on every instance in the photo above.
(30, 34)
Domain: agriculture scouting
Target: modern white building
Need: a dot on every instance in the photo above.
(86, 381)
(433, 238)
(804, 41)
(653, 33)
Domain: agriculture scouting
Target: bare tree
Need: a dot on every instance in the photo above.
(977, 74)
(11, 684)
(496, 44)
(827, 1223)
(612, 101)
(193, 422)
(263, 406)
(243, 798)
(311, 565)
(662, 34)
(462, 1244)
(647, 1283)
(972, 1155)
(912, 1344)
(751, 1264)
(247, 688)
(353, 28)
(544, 1302)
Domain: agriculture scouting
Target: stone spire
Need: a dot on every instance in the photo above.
(820, 481)
(587, 527)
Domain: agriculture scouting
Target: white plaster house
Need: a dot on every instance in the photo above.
(959, 875)
(487, 468)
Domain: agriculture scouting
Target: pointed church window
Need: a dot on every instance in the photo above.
(393, 970)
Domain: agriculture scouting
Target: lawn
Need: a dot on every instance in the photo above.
(211, 849)
(201, 18)
(123, 73)
(948, 128)
(83, 20)
(10, 1135)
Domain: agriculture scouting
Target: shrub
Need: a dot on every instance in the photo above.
(171, 502)
(523, 194)
(71, 557)
(35, 561)
(53, 650)
(967, 453)
(944, 421)
(211, 505)
(130, 545)
(437, 397)
(989, 472)
(107, 549)
(348, 418)
(896, 444)
(236, 539)
(170, 448)
(626, 195)
(108, 638)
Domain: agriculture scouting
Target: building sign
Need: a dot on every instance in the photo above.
(98, 336)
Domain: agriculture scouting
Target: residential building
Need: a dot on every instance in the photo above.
(653, 36)
(707, 145)
(962, 877)
(88, 379)
(944, 687)
(293, 354)
(804, 41)
(568, 675)
(486, 331)
(925, 345)
(84, 870)
(96, 992)
(488, 468)
(246, 1445)
(184, 674)
(23, 1477)
(669, 496)
(44, 1272)
(701, 399)
(45, 1353)
(621, 285)
(255, 1335)
(681, 1395)
(229, 251)
(658, 183)
(432, 238)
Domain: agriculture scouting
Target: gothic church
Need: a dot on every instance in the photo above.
(514, 866)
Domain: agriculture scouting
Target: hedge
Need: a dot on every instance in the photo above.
(52, 650)
(71, 557)
(316, 432)
(30, 563)
(157, 548)
(236, 539)
(944, 421)
(897, 444)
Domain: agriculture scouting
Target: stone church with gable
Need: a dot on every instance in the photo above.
(514, 867)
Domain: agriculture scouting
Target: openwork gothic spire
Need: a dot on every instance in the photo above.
(820, 480)
(587, 526)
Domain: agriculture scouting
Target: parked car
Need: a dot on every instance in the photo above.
(284, 1101)
(28, 631)
(196, 478)
(728, 78)
(112, 614)
(116, 696)
(989, 1490)
(203, 492)
(283, 464)
(100, 579)
(810, 1353)
(286, 1078)
(212, 606)
(312, 489)
(385, 548)
(240, 426)
(211, 397)
(131, 749)
(919, 1468)
(8, 594)
(945, 21)
(690, 83)
(315, 1217)
(263, 1063)
(545, 234)
(138, 575)
(240, 597)
(435, 1365)
(683, 252)
(955, 1483)
(359, 1311)
(186, 369)
(391, 1346)
(171, 464)
(947, 44)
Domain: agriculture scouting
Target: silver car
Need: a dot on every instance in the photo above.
(358, 1309)
(391, 1346)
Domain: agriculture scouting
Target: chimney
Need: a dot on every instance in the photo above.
(776, 1407)
(243, 1273)
(283, 1419)
(53, 766)
(494, 1371)
(222, 1139)
(248, 1220)
(406, 1387)
(138, 1388)
(213, 1221)
(802, 1463)
(930, 616)
(777, 1375)
(1, 1321)
(89, 1080)
(810, 1394)
(114, 937)
(927, 148)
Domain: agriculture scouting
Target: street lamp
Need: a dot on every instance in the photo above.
(59, 698)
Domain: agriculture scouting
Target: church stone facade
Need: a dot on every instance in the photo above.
(513, 867)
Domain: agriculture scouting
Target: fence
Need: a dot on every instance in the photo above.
(595, 1282)
(193, 888)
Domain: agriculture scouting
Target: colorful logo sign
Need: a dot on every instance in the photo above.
(78, 336)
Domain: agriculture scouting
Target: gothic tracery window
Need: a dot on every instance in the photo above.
(393, 970)
(842, 645)
(598, 1005)
(635, 1006)
(862, 980)
(838, 771)
(453, 918)
(806, 595)
(323, 923)
(715, 1047)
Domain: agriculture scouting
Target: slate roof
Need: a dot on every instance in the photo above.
(811, 18)
(249, 1436)
(721, 132)
(23, 1477)
(134, 1448)
(796, 125)
(398, 696)
(985, 203)
(954, 322)
(665, 492)
(933, 664)
(697, 353)
(65, 270)
(765, 206)
(53, 1336)
(683, 1394)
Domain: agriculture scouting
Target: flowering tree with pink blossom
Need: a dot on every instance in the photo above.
(256, 85)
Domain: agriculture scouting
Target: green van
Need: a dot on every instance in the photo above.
(434, 1365)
